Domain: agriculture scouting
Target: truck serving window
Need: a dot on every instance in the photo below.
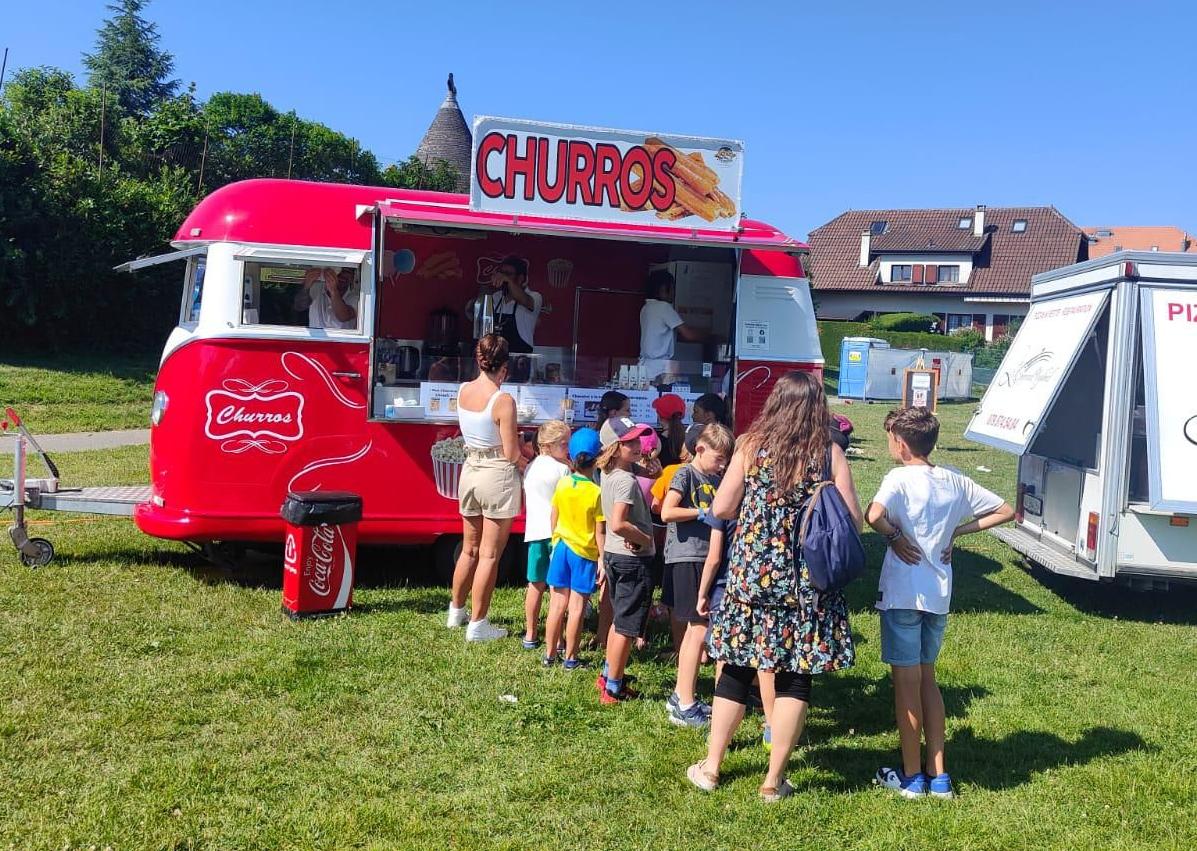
(301, 295)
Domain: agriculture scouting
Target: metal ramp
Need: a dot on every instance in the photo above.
(117, 500)
(21, 493)
(1051, 558)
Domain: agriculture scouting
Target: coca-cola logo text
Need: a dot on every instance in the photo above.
(323, 555)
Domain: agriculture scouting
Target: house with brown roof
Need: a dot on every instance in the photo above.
(1107, 240)
(971, 267)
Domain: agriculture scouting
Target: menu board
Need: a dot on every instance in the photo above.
(585, 405)
(642, 405)
(439, 399)
(541, 402)
(689, 398)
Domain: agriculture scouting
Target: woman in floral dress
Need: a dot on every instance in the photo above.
(773, 625)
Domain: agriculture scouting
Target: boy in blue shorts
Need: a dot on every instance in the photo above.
(577, 548)
(920, 509)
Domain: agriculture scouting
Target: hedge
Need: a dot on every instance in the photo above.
(832, 334)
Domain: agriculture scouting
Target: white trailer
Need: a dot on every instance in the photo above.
(1098, 398)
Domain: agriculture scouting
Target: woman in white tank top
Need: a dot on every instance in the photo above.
(490, 489)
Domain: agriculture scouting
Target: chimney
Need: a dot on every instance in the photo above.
(865, 241)
(979, 221)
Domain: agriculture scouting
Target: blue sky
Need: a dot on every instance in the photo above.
(1089, 107)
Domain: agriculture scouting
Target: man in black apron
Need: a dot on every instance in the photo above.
(517, 308)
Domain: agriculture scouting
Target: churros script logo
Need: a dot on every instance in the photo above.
(263, 415)
(653, 176)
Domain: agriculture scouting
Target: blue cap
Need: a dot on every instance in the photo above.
(585, 441)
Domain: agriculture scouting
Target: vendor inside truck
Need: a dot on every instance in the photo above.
(661, 325)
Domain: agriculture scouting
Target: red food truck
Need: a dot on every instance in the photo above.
(265, 387)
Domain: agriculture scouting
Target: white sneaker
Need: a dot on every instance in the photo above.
(483, 630)
(457, 616)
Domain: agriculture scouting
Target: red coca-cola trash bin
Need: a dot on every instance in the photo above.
(319, 552)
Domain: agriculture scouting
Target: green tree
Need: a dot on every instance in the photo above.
(414, 174)
(127, 62)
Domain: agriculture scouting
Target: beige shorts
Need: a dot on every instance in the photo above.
(490, 488)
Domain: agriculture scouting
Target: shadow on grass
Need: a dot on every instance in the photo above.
(972, 589)
(140, 368)
(845, 704)
(993, 764)
(1177, 605)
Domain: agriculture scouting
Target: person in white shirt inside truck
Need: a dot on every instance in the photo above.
(660, 325)
(330, 298)
(517, 308)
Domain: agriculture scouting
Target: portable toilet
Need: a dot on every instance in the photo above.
(854, 365)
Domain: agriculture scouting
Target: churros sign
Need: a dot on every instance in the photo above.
(527, 168)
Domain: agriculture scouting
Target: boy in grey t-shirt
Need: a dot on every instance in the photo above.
(627, 551)
(687, 542)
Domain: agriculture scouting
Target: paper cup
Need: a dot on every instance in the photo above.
(447, 475)
(560, 271)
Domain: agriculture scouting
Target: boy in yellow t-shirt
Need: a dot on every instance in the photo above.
(575, 566)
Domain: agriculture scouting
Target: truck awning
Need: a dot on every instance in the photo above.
(1034, 369)
(442, 216)
(157, 259)
(331, 256)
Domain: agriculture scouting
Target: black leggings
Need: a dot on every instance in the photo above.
(736, 681)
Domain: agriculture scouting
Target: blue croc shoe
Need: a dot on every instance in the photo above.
(941, 787)
(914, 786)
(529, 645)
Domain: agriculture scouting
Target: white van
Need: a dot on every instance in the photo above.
(1098, 397)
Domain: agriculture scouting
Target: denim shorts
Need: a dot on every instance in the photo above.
(910, 637)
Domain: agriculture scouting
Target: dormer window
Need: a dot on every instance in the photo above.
(965, 223)
(878, 227)
(1019, 225)
(1105, 233)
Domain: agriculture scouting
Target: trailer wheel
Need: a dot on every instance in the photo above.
(44, 553)
(445, 553)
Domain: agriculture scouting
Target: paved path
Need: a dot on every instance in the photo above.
(84, 440)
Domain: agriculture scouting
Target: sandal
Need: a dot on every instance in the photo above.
(773, 794)
(700, 777)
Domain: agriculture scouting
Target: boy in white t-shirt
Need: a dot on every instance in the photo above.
(920, 509)
(540, 481)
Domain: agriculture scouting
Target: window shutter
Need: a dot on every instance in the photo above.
(932, 273)
(918, 273)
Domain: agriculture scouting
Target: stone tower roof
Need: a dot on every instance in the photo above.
(449, 138)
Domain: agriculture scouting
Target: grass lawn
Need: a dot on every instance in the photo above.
(152, 703)
(65, 393)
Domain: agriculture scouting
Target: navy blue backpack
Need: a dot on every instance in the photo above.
(828, 539)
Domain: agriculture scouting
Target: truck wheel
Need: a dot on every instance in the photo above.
(445, 553)
(43, 555)
(227, 555)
